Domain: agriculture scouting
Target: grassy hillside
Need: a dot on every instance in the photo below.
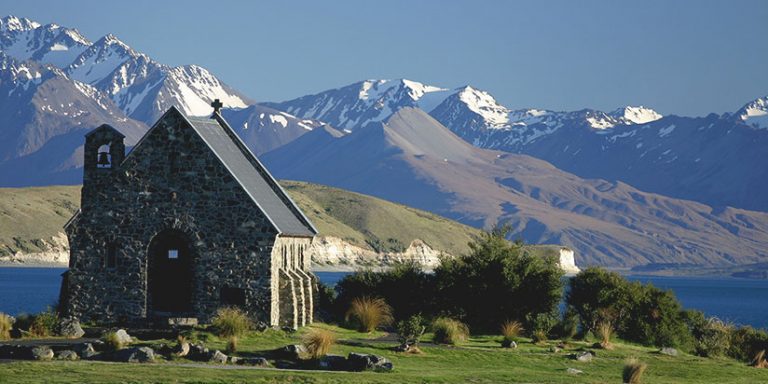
(28, 215)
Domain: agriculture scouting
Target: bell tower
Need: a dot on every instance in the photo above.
(104, 151)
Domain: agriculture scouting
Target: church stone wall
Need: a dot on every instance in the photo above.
(293, 305)
(174, 181)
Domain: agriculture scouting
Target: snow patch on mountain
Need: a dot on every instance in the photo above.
(24, 39)
(635, 115)
(755, 114)
(483, 104)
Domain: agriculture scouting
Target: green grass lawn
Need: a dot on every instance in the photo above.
(479, 360)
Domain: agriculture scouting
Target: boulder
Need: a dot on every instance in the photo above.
(69, 327)
(253, 361)
(333, 362)
(668, 351)
(85, 350)
(573, 371)
(134, 355)
(123, 337)
(67, 355)
(584, 357)
(218, 357)
(293, 351)
(508, 344)
(365, 362)
(42, 353)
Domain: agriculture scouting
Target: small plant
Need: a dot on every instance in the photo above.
(112, 341)
(231, 322)
(759, 361)
(318, 342)
(604, 332)
(569, 325)
(449, 331)
(539, 336)
(232, 345)
(633, 371)
(410, 332)
(369, 313)
(6, 324)
(44, 324)
(715, 338)
(510, 330)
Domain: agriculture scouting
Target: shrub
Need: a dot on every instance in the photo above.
(44, 324)
(747, 342)
(410, 332)
(538, 337)
(541, 325)
(633, 371)
(318, 342)
(604, 333)
(568, 326)
(511, 330)
(369, 313)
(715, 338)
(112, 341)
(496, 279)
(449, 331)
(230, 321)
(6, 324)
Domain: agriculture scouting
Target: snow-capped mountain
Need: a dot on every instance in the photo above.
(412, 159)
(24, 39)
(361, 103)
(140, 86)
(755, 113)
(43, 117)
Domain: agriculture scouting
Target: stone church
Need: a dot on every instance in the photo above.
(189, 221)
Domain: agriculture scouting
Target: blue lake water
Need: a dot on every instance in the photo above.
(742, 301)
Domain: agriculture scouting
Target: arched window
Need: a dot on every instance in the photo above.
(105, 157)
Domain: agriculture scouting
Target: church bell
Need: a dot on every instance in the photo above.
(103, 159)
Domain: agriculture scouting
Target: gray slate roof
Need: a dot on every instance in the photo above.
(252, 175)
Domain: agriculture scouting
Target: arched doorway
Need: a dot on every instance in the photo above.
(171, 275)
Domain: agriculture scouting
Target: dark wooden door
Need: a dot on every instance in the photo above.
(171, 275)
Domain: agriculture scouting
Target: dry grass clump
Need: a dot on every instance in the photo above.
(232, 345)
(539, 336)
(231, 322)
(112, 341)
(6, 324)
(369, 313)
(44, 324)
(633, 371)
(511, 330)
(604, 333)
(449, 331)
(318, 342)
(759, 361)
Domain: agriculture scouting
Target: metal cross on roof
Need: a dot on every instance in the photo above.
(216, 105)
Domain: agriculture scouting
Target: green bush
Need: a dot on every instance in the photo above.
(747, 342)
(542, 324)
(496, 280)
(568, 326)
(230, 321)
(6, 324)
(44, 324)
(449, 331)
(714, 339)
(409, 331)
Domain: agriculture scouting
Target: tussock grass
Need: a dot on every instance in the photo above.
(318, 342)
(112, 342)
(511, 330)
(449, 331)
(369, 313)
(44, 324)
(6, 324)
(633, 371)
(232, 345)
(231, 322)
(539, 336)
(759, 361)
(604, 333)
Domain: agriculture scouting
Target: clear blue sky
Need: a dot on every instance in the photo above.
(682, 57)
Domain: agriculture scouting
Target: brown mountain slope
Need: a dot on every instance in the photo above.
(414, 160)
